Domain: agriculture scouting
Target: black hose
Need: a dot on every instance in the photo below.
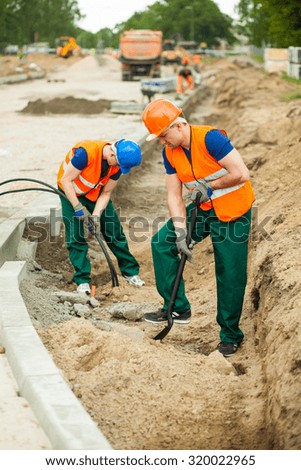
(56, 191)
(30, 189)
(115, 282)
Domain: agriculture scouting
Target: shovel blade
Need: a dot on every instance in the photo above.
(163, 333)
(167, 328)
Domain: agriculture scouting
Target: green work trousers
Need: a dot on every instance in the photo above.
(112, 232)
(230, 245)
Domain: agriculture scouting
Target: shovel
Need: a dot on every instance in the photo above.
(181, 267)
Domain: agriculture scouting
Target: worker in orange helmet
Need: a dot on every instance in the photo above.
(202, 159)
(184, 77)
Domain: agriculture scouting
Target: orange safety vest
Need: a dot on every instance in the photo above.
(89, 181)
(196, 59)
(228, 203)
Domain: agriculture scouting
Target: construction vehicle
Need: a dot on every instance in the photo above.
(67, 46)
(170, 53)
(190, 46)
(140, 53)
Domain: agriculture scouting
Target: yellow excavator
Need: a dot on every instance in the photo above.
(67, 46)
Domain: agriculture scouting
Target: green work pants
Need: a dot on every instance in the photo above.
(230, 245)
(112, 232)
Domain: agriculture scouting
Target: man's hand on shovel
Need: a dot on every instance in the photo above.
(181, 243)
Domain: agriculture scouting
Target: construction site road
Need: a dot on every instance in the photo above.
(123, 378)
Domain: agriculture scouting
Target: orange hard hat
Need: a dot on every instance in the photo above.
(185, 61)
(159, 115)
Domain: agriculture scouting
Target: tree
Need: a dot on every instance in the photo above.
(273, 22)
(284, 22)
(199, 21)
(23, 22)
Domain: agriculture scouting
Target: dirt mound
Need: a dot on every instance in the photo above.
(12, 65)
(68, 105)
(181, 393)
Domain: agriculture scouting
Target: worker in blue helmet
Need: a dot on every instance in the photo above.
(87, 176)
(128, 154)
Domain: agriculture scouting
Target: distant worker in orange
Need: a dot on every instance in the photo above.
(196, 62)
(184, 75)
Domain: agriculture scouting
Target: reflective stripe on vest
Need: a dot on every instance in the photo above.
(77, 189)
(87, 183)
(217, 192)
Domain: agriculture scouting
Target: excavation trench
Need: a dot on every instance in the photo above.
(181, 393)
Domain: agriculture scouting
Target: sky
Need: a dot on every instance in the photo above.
(107, 13)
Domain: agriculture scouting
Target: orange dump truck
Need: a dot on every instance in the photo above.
(140, 53)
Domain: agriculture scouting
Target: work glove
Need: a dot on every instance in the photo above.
(81, 213)
(181, 243)
(94, 225)
(205, 191)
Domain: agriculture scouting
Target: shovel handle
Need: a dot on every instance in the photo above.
(180, 271)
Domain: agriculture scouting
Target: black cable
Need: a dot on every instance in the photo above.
(115, 282)
(33, 181)
(30, 189)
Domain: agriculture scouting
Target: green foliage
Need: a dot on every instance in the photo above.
(257, 58)
(284, 22)
(293, 96)
(198, 21)
(85, 39)
(296, 94)
(276, 23)
(23, 22)
(288, 79)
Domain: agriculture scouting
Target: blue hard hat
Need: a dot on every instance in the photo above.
(128, 155)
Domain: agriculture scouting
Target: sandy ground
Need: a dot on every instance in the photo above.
(181, 393)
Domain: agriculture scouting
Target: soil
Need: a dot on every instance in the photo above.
(68, 105)
(13, 65)
(181, 393)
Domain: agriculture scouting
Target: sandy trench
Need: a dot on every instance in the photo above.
(181, 393)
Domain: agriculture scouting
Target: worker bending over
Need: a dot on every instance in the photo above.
(204, 160)
(87, 176)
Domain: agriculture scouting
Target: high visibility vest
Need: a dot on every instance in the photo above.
(228, 203)
(89, 182)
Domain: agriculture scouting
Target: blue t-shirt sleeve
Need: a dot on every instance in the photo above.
(80, 158)
(170, 170)
(218, 144)
(116, 176)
